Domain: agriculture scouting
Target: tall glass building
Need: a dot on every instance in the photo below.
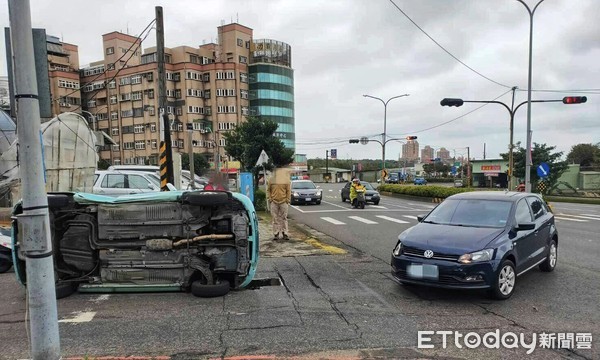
(271, 86)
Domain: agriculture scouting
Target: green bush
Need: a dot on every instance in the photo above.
(422, 191)
(440, 180)
(260, 200)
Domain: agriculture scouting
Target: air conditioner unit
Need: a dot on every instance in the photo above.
(203, 131)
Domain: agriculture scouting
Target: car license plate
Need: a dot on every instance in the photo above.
(368, 197)
(424, 271)
(308, 199)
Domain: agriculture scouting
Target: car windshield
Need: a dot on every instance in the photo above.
(303, 185)
(367, 185)
(154, 179)
(471, 212)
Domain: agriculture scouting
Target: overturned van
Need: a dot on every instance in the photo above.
(205, 242)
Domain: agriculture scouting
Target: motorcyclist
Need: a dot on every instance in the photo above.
(356, 185)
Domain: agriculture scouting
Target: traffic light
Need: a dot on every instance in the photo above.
(574, 99)
(452, 102)
(411, 138)
(353, 141)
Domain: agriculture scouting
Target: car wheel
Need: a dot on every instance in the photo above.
(550, 263)
(318, 202)
(5, 266)
(376, 202)
(199, 289)
(506, 279)
(65, 289)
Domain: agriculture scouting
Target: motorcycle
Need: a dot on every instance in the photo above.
(6, 260)
(359, 201)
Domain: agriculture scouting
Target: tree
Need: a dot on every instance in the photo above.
(248, 139)
(200, 163)
(539, 153)
(103, 164)
(585, 155)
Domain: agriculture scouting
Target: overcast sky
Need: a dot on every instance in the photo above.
(342, 49)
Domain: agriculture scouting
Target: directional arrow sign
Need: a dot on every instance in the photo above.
(262, 159)
(543, 170)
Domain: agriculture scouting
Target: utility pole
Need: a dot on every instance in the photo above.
(326, 165)
(166, 153)
(35, 223)
(468, 167)
(191, 158)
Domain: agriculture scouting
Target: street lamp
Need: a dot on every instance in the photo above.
(384, 141)
(92, 116)
(528, 150)
(566, 100)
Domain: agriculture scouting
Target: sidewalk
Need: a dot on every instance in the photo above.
(303, 242)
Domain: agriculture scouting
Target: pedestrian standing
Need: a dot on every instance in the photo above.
(279, 194)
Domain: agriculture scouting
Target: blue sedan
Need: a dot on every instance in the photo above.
(420, 181)
(478, 240)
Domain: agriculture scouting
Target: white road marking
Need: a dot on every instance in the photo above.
(297, 208)
(410, 217)
(392, 219)
(363, 220)
(569, 219)
(377, 206)
(79, 317)
(592, 215)
(336, 205)
(333, 221)
(101, 298)
(581, 217)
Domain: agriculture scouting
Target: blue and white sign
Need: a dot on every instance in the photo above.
(453, 170)
(246, 185)
(543, 170)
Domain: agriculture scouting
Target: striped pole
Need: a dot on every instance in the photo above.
(164, 177)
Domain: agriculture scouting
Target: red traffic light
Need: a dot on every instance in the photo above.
(574, 99)
(411, 138)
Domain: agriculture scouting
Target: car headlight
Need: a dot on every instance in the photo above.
(296, 194)
(319, 193)
(398, 249)
(478, 256)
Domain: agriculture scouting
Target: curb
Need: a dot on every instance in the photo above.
(119, 358)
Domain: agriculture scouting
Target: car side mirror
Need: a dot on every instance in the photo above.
(420, 218)
(525, 226)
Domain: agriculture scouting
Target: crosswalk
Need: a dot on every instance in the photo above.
(343, 220)
(411, 219)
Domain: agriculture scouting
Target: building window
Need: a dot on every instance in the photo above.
(126, 97)
(136, 95)
(91, 103)
(151, 94)
(194, 59)
(128, 145)
(140, 145)
(178, 111)
(243, 60)
(174, 143)
(178, 94)
(151, 110)
(205, 60)
(244, 110)
(244, 94)
(138, 129)
(221, 142)
(136, 79)
(124, 81)
(244, 77)
(206, 77)
(240, 42)
(230, 92)
(113, 99)
(247, 44)
(173, 76)
(207, 94)
(220, 75)
(220, 92)
(112, 84)
(114, 131)
(114, 115)
(153, 127)
(180, 144)
(110, 50)
(180, 127)
(230, 75)
(154, 144)
(126, 113)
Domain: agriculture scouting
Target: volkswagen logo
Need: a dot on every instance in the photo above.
(428, 254)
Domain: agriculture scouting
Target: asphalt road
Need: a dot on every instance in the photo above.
(333, 306)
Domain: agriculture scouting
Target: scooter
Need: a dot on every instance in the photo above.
(6, 261)
(359, 201)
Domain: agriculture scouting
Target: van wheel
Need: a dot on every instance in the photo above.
(65, 289)
(200, 289)
(5, 266)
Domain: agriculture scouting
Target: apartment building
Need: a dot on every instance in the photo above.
(207, 91)
(427, 154)
(63, 75)
(410, 150)
(443, 154)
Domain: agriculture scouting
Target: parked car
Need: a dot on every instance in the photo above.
(305, 192)
(203, 242)
(122, 182)
(5, 250)
(420, 181)
(478, 240)
(458, 183)
(153, 169)
(371, 195)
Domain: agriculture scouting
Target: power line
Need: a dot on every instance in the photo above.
(118, 71)
(575, 91)
(105, 70)
(447, 52)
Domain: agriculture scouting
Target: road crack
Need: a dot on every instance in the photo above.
(295, 301)
(332, 303)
